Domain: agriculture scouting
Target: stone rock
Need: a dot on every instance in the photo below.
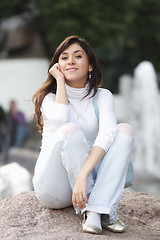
(13, 180)
(23, 217)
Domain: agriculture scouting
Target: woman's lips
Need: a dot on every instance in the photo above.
(71, 69)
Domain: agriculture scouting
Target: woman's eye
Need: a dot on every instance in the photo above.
(64, 58)
(78, 56)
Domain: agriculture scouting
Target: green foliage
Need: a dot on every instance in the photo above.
(143, 35)
(122, 33)
(92, 19)
(12, 7)
(102, 23)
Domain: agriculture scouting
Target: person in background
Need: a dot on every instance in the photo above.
(83, 160)
(19, 128)
(3, 128)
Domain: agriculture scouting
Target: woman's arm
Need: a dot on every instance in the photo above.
(61, 94)
(107, 120)
(56, 103)
(104, 139)
(80, 188)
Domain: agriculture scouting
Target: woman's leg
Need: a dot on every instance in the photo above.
(74, 152)
(50, 179)
(58, 165)
(109, 185)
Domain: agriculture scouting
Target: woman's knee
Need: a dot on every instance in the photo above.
(125, 128)
(53, 201)
(68, 129)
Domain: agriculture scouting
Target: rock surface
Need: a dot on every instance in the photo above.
(23, 217)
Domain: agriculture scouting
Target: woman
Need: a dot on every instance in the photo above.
(83, 160)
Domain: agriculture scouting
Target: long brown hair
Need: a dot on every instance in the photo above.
(50, 84)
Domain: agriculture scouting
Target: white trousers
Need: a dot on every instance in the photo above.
(60, 161)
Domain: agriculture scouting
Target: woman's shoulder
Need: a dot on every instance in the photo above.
(105, 97)
(49, 96)
(103, 92)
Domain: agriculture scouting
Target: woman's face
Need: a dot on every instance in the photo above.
(73, 63)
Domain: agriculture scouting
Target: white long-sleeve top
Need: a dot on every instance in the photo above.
(100, 133)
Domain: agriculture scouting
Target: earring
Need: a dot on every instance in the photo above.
(89, 75)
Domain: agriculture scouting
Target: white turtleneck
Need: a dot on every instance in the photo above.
(100, 134)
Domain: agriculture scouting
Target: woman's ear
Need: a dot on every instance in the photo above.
(90, 68)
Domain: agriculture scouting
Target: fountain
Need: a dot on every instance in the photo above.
(145, 118)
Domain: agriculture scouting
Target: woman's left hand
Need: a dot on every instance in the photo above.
(80, 192)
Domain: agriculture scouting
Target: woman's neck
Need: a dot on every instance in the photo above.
(75, 92)
(76, 84)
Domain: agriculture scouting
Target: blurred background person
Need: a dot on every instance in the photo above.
(19, 128)
(3, 128)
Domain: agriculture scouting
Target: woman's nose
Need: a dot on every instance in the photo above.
(71, 60)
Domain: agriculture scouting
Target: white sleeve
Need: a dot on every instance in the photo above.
(56, 112)
(107, 120)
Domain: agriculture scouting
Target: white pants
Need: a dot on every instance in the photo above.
(60, 161)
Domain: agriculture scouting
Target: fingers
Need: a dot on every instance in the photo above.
(74, 201)
(80, 200)
(55, 66)
(85, 198)
(55, 71)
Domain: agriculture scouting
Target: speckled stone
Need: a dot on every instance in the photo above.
(23, 217)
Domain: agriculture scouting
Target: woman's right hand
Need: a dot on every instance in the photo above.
(79, 195)
(56, 73)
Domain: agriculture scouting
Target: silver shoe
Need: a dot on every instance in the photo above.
(89, 228)
(117, 227)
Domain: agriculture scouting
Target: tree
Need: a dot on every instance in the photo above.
(122, 33)
(102, 23)
(14, 7)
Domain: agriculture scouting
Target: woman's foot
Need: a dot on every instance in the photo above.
(117, 227)
(91, 222)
